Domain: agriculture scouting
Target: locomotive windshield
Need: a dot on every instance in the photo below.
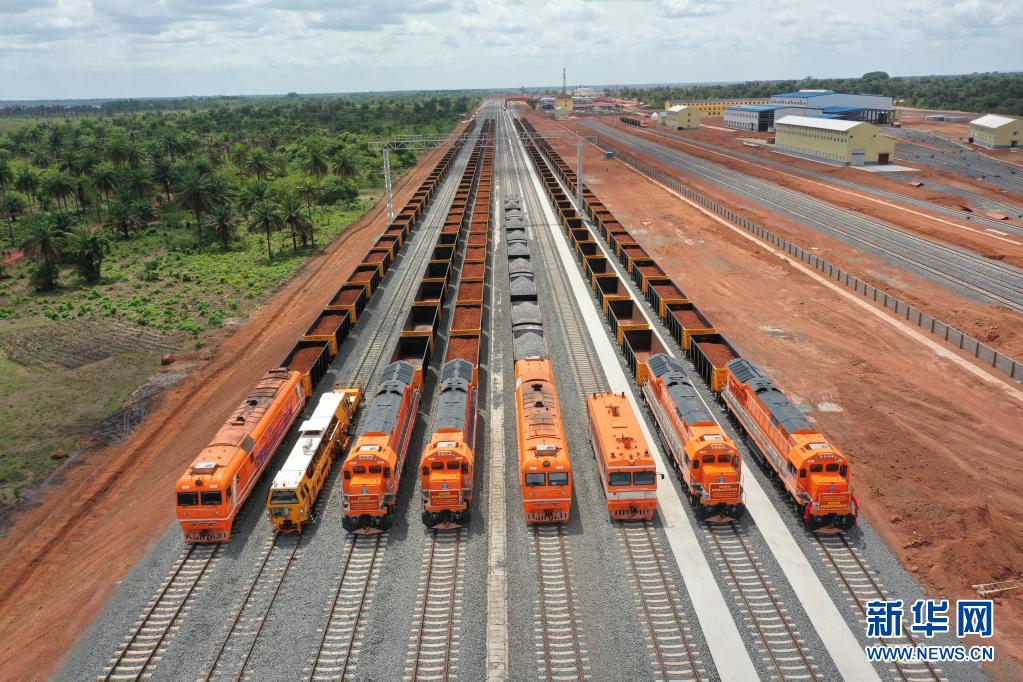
(533, 480)
(558, 478)
(188, 499)
(212, 498)
(620, 478)
(283, 497)
(643, 478)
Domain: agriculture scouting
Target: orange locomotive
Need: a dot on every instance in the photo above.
(447, 463)
(707, 458)
(813, 471)
(372, 472)
(626, 467)
(544, 463)
(212, 490)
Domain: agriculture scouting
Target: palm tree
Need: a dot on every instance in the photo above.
(163, 173)
(133, 155)
(294, 218)
(27, 183)
(104, 179)
(6, 175)
(11, 206)
(252, 193)
(316, 162)
(117, 151)
(89, 246)
(221, 221)
(58, 186)
(195, 194)
(45, 244)
(308, 191)
(265, 217)
(345, 165)
(137, 181)
(259, 164)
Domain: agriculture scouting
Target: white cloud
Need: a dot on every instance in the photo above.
(83, 48)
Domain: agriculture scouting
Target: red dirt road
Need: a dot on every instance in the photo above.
(935, 452)
(61, 559)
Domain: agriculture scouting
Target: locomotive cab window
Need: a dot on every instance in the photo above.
(436, 465)
(214, 498)
(559, 478)
(283, 497)
(816, 468)
(620, 478)
(708, 459)
(843, 471)
(723, 459)
(643, 478)
(453, 466)
(188, 499)
(831, 468)
(534, 480)
(359, 469)
(376, 469)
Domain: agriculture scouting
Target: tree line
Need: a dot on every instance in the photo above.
(68, 188)
(1000, 93)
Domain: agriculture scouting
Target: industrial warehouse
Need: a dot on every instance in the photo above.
(997, 132)
(851, 143)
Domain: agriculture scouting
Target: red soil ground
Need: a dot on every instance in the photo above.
(935, 451)
(1000, 328)
(61, 559)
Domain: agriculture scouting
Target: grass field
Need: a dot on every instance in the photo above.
(46, 409)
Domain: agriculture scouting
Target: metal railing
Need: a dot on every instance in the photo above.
(951, 335)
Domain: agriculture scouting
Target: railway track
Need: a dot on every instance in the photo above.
(858, 581)
(141, 650)
(232, 658)
(842, 182)
(672, 653)
(433, 643)
(585, 366)
(341, 639)
(558, 636)
(561, 651)
(404, 291)
(980, 277)
(783, 650)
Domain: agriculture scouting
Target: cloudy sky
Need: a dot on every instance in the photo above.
(123, 48)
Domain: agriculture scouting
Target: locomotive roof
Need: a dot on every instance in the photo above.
(382, 414)
(680, 389)
(456, 377)
(777, 403)
(311, 433)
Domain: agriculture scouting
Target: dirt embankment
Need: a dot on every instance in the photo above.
(935, 451)
(1000, 328)
(61, 559)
